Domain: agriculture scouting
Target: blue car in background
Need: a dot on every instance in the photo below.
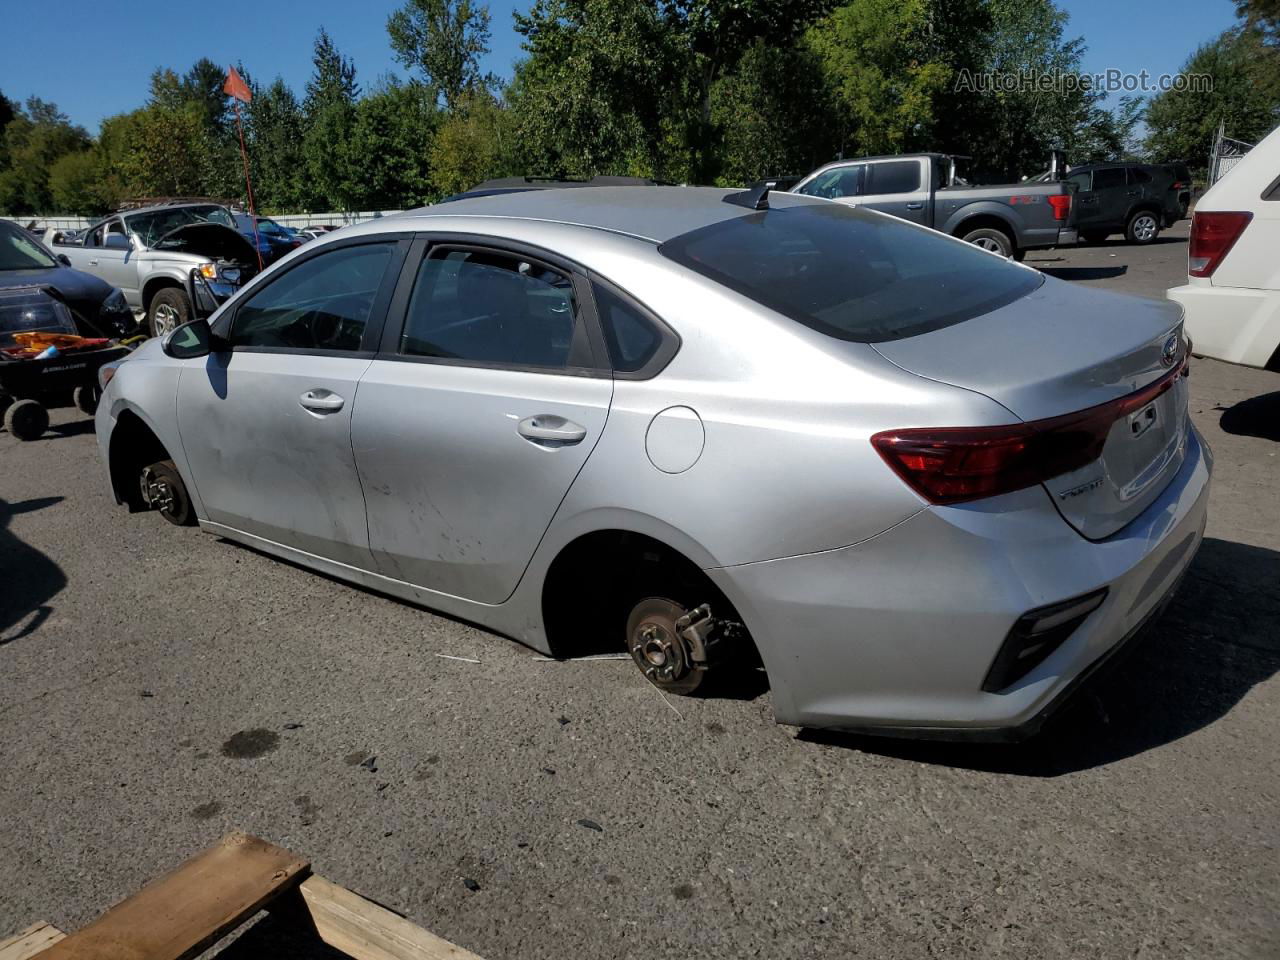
(273, 240)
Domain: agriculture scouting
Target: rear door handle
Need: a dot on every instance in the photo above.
(321, 401)
(549, 430)
(915, 205)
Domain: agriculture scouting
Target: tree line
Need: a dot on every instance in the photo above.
(686, 91)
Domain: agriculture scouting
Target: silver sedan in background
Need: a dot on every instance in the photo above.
(928, 488)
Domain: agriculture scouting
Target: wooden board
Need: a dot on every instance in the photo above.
(178, 915)
(29, 942)
(365, 931)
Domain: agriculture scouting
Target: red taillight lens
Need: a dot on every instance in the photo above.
(1212, 237)
(1061, 205)
(955, 464)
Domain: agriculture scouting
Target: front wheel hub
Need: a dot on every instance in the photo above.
(156, 490)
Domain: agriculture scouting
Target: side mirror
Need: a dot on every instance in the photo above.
(189, 341)
(116, 242)
(63, 259)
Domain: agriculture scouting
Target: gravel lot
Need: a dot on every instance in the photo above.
(161, 687)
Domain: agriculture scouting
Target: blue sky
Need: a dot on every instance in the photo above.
(93, 57)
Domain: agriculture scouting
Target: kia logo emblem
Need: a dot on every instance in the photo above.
(1169, 352)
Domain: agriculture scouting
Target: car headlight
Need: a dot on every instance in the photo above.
(209, 271)
(115, 303)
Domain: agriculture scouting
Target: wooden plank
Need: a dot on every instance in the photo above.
(29, 942)
(181, 913)
(363, 930)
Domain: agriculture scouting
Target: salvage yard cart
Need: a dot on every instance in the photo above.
(43, 360)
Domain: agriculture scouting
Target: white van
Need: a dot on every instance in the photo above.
(1232, 294)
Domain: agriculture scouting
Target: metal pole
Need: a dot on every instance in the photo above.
(248, 185)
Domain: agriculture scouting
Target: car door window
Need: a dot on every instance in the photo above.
(895, 176)
(1139, 177)
(1082, 180)
(493, 308)
(1108, 178)
(322, 303)
(837, 183)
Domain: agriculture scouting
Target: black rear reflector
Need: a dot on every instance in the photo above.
(1036, 635)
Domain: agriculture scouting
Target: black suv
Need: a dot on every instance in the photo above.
(1136, 199)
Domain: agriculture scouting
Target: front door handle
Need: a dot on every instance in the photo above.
(915, 205)
(549, 430)
(321, 401)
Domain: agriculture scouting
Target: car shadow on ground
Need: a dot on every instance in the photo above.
(1085, 273)
(1255, 417)
(1218, 639)
(28, 579)
(1119, 241)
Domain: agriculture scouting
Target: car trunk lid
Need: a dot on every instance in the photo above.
(1063, 349)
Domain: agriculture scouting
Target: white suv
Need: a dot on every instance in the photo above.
(1232, 294)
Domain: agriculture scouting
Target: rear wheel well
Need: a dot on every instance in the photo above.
(594, 581)
(133, 446)
(154, 286)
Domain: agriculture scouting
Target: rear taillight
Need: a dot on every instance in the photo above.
(1212, 237)
(1061, 205)
(954, 464)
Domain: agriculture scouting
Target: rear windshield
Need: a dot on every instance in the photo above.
(850, 273)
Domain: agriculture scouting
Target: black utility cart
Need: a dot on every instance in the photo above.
(30, 383)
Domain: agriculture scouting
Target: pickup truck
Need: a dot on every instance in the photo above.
(153, 254)
(924, 188)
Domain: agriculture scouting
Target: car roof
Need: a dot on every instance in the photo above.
(648, 213)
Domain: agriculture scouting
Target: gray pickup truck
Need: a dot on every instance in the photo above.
(155, 254)
(924, 189)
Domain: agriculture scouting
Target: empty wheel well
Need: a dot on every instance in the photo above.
(133, 446)
(155, 286)
(985, 222)
(595, 580)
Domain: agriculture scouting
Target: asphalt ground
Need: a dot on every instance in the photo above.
(160, 687)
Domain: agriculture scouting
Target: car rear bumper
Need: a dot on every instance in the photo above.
(1239, 324)
(895, 635)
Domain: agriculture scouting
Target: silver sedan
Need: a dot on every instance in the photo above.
(928, 489)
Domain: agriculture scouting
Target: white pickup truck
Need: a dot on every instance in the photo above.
(152, 253)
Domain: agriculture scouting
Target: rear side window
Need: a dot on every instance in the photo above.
(1108, 177)
(834, 184)
(1139, 175)
(321, 304)
(489, 307)
(850, 273)
(1081, 180)
(896, 176)
(631, 338)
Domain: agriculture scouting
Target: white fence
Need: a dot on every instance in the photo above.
(288, 220)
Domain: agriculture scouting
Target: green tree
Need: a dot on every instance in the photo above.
(394, 131)
(601, 90)
(76, 184)
(1182, 124)
(37, 136)
(330, 110)
(443, 40)
(162, 156)
(274, 131)
(471, 144)
(772, 114)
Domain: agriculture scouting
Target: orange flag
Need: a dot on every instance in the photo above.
(236, 87)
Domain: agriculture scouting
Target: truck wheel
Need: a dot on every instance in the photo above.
(163, 490)
(1143, 227)
(86, 398)
(169, 310)
(27, 420)
(989, 238)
